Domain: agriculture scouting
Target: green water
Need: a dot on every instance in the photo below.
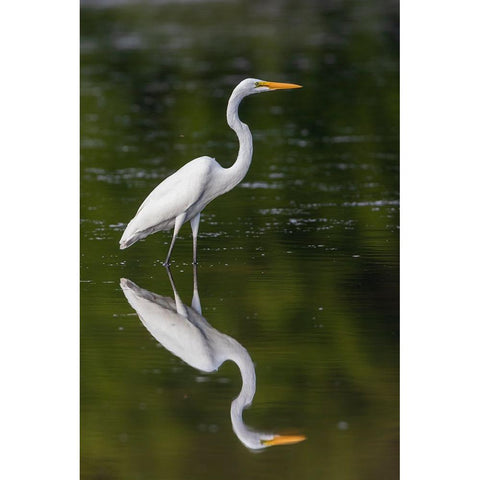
(298, 264)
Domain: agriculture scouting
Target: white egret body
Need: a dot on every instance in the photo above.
(182, 196)
(186, 333)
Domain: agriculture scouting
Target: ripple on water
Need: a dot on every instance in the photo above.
(260, 185)
(121, 175)
(374, 203)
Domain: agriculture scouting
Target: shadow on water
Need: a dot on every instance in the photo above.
(187, 334)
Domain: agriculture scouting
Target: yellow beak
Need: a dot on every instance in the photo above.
(278, 86)
(284, 440)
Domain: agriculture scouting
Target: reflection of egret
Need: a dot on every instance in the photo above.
(187, 334)
(182, 196)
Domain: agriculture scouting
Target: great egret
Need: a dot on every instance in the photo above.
(182, 196)
(187, 334)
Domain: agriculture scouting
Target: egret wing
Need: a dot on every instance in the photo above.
(174, 196)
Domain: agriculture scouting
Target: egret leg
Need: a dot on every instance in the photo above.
(178, 223)
(195, 223)
(181, 310)
(196, 305)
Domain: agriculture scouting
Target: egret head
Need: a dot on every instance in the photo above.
(259, 441)
(273, 440)
(249, 86)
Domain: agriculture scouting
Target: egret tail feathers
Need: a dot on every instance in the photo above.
(125, 241)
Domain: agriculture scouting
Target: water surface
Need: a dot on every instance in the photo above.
(298, 264)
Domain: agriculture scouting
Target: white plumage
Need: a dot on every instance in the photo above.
(182, 196)
(192, 187)
(187, 334)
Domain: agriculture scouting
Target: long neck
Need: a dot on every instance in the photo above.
(244, 399)
(239, 169)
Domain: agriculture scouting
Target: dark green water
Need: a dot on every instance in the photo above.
(298, 264)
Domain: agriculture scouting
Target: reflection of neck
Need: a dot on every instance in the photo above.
(244, 399)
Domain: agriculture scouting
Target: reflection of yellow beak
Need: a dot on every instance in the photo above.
(277, 86)
(283, 440)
